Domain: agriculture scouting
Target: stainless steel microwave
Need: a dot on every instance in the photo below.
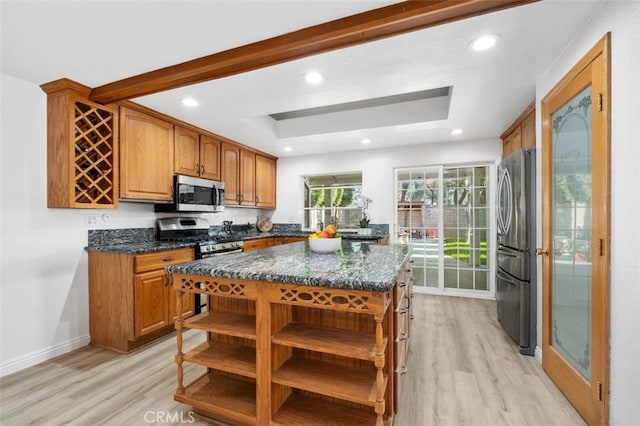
(192, 194)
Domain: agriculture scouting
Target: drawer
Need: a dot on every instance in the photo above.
(158, 260)
(256, 244)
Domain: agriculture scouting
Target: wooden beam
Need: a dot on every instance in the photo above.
(356, 29)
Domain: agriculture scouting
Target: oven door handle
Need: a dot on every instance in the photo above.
(222, 253)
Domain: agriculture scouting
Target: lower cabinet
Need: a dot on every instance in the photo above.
(274, 357)
(130, 298)
(260, 243)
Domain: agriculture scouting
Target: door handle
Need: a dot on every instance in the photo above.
(542, 251)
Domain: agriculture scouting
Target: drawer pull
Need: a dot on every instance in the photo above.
(168, 259)
(403, 370)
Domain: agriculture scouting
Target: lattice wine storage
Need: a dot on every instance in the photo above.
(82, 157)
(94, 156)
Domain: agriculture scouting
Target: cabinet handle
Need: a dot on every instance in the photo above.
(257, 199)
(197, 168)
(404, 370)
(403, 336)
(168, 259)
(202, 169)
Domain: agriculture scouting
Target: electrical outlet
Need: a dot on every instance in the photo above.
(91, 219)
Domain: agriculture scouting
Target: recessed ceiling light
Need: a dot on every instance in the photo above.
(190, 102)
(313, 77)
(288, 149)
(484, 42)
(456, 132)
(365, 141)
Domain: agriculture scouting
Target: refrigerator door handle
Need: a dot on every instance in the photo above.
(508, 278)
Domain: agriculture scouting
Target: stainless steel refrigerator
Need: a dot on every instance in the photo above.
(516, 268)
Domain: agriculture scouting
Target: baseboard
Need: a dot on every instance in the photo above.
(42, 355)
(538, 354)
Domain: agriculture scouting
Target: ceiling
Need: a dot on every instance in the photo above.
(96, 42)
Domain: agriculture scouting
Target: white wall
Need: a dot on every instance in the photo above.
(622, 19)
(43, 265)
(377, 168)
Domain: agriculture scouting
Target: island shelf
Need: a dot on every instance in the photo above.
(280, 353)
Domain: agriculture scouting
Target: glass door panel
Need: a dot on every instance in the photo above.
(418, 221)
(572, 226)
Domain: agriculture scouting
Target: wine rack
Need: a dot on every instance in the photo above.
(82, 159)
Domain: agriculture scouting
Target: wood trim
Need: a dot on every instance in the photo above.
(528, 110)
(352, 30)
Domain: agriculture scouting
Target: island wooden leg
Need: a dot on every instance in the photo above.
(379, 363)
(179, 354)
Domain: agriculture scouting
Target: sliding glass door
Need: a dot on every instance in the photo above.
(444, 213)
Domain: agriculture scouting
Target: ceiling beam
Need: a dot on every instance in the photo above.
(356, 29)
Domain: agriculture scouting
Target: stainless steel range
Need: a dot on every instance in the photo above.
(196, 230)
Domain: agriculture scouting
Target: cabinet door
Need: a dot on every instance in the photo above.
(247, 178)
(188, 304)
(516, 139)
(146, 156)
(265, 182)
(230, 173)
(209, 158)
(529, 131)
(187, 152)
(150, 308)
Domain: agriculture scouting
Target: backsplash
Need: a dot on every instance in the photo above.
(108, 237)
(104, 237)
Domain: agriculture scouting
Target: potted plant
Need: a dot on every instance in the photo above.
(364, 222)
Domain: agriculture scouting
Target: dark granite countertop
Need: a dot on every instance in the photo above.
(369, 267)
(146, 246)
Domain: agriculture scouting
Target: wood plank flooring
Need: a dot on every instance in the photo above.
(463, 370)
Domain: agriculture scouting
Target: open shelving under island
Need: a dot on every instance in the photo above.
(295, 337)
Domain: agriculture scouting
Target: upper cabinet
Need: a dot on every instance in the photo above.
(146, 156)
(521, 134)
(82, 148)
(249, 177)
(196, 155)
(210, 158)
(265, 182)
(97, 154)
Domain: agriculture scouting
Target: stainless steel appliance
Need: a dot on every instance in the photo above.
(516, 277)
(196, 230)
(192, 194)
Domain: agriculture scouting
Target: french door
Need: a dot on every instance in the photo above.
(444, 213)
(575, 234)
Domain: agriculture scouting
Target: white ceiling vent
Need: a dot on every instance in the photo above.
(406, 108)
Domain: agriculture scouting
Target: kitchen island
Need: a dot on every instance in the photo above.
(296, 337)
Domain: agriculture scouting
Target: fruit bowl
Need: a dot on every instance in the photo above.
(324, 245)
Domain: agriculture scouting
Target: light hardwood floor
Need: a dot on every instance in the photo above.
(463, 370)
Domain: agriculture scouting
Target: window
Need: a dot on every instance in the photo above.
(332, 199)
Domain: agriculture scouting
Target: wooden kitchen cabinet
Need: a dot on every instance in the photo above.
(196, 154)
(130, 298)
(82, 148)
(265, 182)
(521, 134)
(146, 156)
(249, 177)
(529, 131)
